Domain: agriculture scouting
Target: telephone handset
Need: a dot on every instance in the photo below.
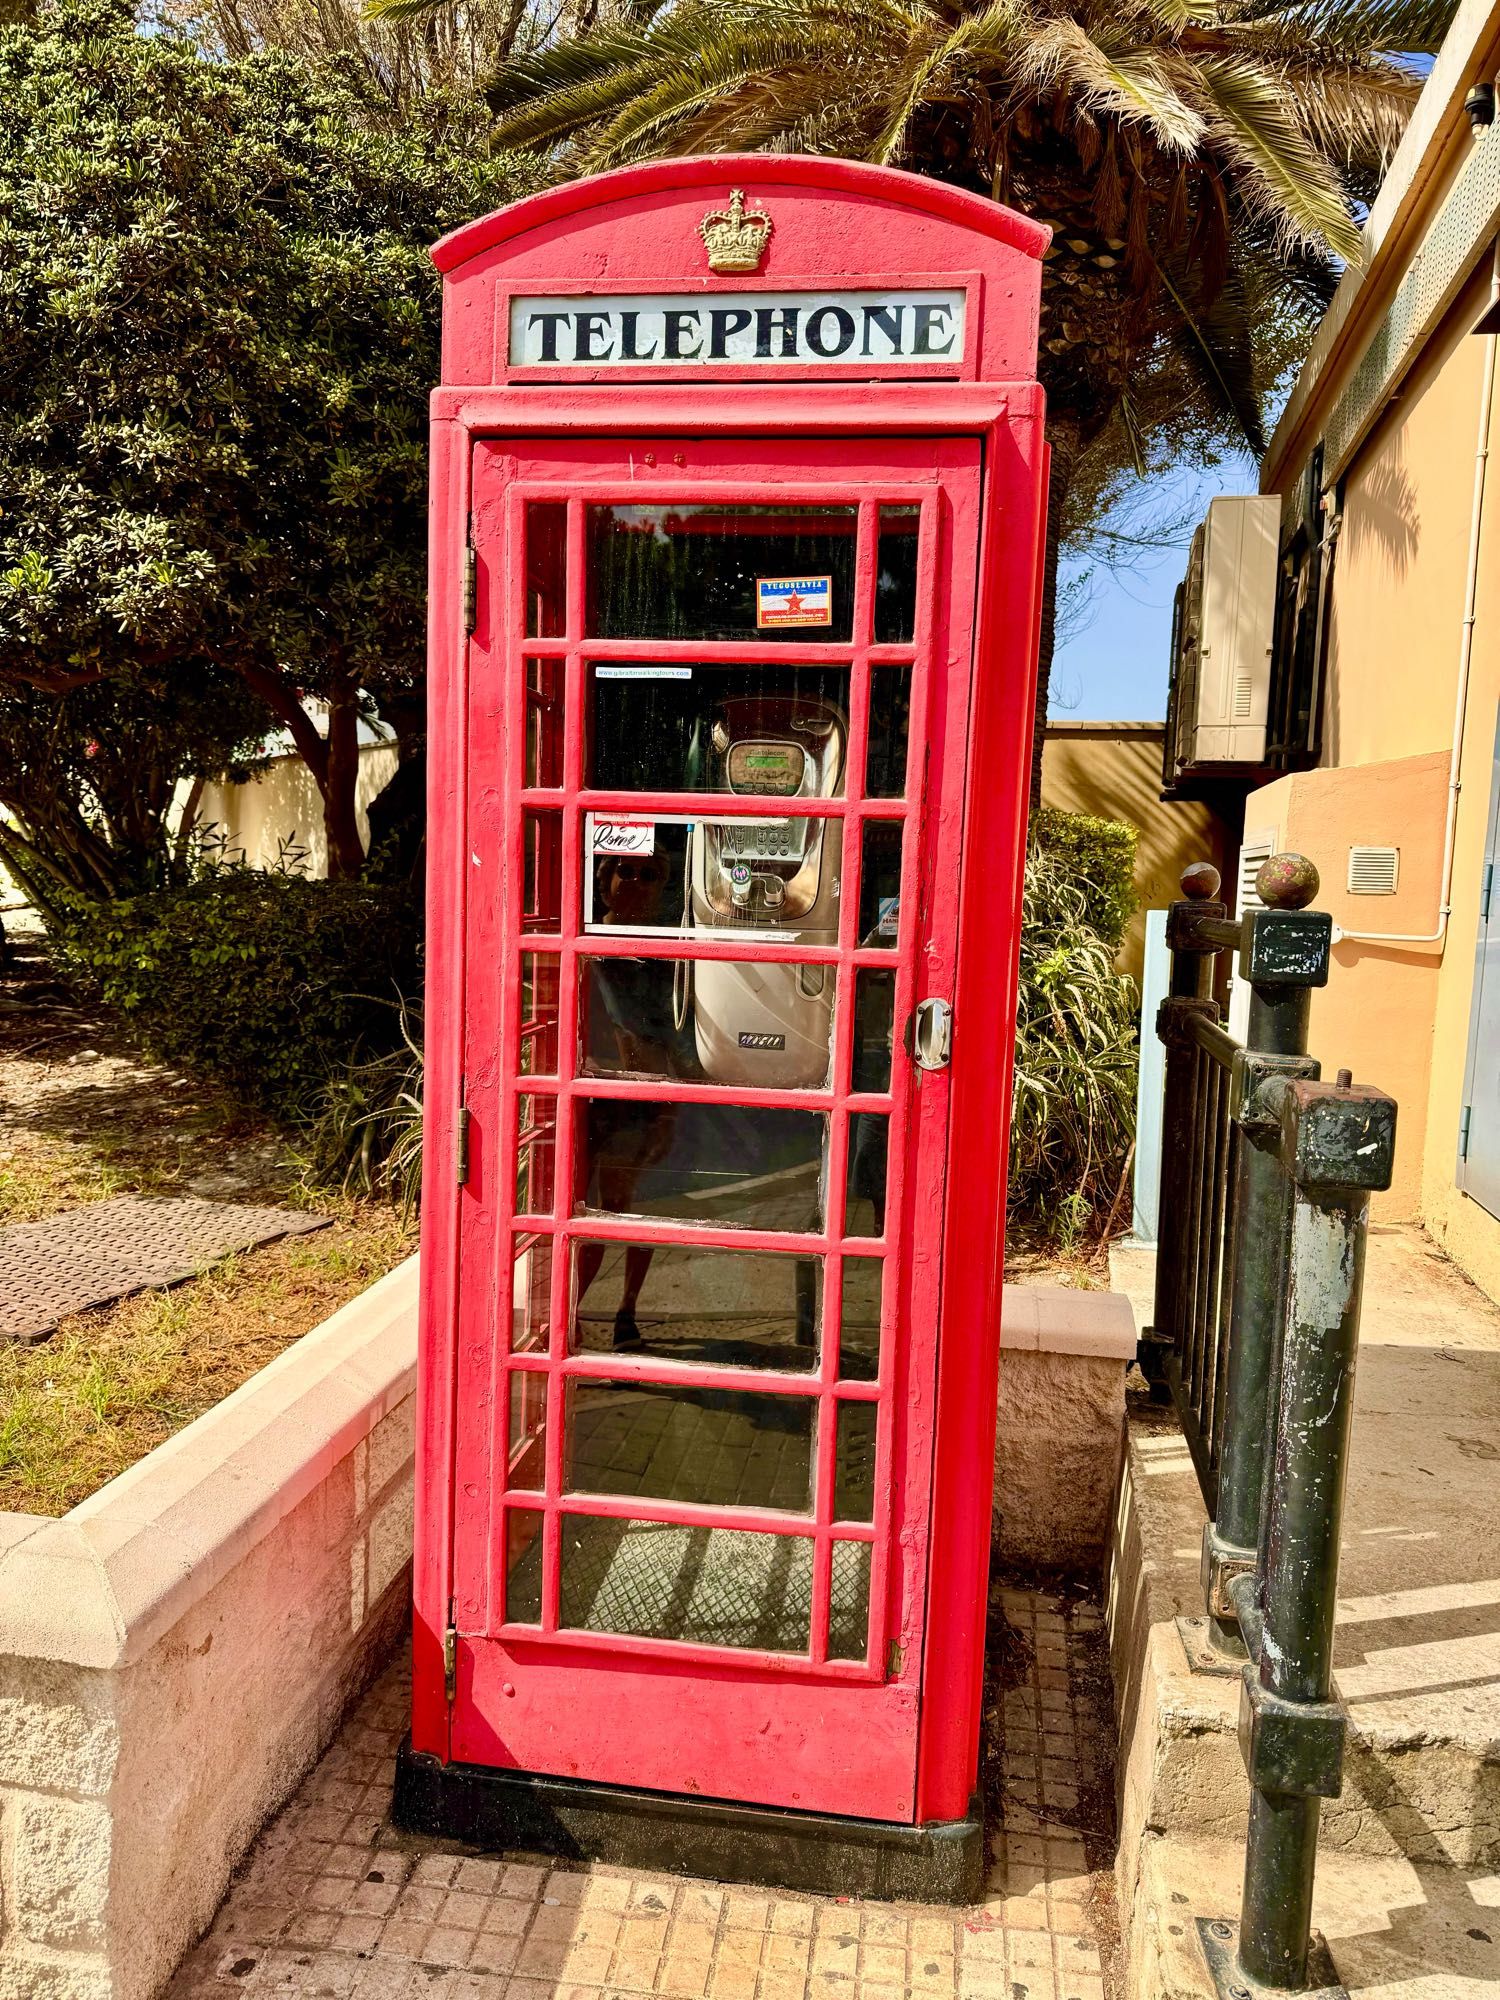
(759, 1023)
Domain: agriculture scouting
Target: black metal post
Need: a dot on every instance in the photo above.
(1189, 990)
(1284, 953)
(1336, 1145)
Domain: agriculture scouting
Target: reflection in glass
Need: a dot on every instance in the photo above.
(854, 1463)
(890, 727)
(714, 1447)
(526, 1431)
(731, 1308)
(523, 1566)
(859, 1324)
(864, 1213)
(531, 1294)
(711, 1021)
(536, 1154)
(766, 730)
(748, 1167)
(704, 1586)
(874, 1029)
(546, 569)
(537, 1029)
(692, 572)
(880, 884)
(896, 574)
(541, 887)
(774, 877)
(544, 722)
(849, 1602)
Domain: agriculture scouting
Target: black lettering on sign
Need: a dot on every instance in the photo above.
(629, 351)
(888, 320)
(782, 321)
(549, 323)
(724, 323)
(931, 321)
(819, 339)
(590, 328)
(683, 325)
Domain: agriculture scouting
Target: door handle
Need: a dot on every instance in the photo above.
(931, 1035)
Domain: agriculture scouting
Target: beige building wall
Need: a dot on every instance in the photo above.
(1113, 770)
(1399, 1014)
(279, 807)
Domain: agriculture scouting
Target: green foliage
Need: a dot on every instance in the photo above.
(365, 1129)
(270, 982)
(220, 333)
(1073, 1121)
(1099, 856)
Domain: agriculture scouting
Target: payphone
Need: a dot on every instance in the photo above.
(738, 480)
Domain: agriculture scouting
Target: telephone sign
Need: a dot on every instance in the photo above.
(738, 481)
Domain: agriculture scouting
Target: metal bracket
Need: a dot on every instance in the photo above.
(1334, 1135)
(1286, 947)
(450, 1665)
(1252, 1071)
(1219, 1940)
(1183, 919)
(1204, 1657)
(1172, 1018)
(1219, 1564)
(1295, 1748)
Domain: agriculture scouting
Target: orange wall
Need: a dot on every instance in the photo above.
(1375, 1016)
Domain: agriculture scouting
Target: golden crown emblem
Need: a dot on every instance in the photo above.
(735, 237)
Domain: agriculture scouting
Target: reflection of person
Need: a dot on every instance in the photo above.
(629, 1028)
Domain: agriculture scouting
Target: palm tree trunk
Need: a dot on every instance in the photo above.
(1064, 439)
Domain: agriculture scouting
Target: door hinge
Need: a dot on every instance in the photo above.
(461, 1147)
(1463, 1131)
(471, 585)
(1486, 892)
(450, 1664)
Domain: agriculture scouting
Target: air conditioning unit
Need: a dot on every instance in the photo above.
(1222, 626)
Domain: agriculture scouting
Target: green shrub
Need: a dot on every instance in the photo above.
(1077, 1054)
(270, 982)
(364, 1129)
(1099, 855)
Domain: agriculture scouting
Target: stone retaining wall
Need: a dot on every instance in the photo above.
(176, 1652)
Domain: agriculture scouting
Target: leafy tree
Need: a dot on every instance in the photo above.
(1202, 162)
(218, 332)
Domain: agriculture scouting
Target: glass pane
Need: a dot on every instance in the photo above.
(536, 1154)
(546, 569)
(541, 846)
(769, 731)
(544, 722)
(531, 1294)
(880, 885)
(890, 726)
(715, 1447)
(849, 1602)
(859, 1326)
(864, 1213)
(721, 572)
(896, 575)
(734, 1308)
(750, 1168)
(774, 878)
(539, 1013)
(706, 1586)
(874, 1029)
(854, 1463)
(527, 1429)
(710, 1021)
(523, 1566)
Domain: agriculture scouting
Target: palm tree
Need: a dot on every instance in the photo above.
(1202, 162)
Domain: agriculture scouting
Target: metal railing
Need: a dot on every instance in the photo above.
(1266, 1179)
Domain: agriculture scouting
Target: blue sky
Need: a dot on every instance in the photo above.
(1112, 666)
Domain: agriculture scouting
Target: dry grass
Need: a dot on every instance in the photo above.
(110, 1385)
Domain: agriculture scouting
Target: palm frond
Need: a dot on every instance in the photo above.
(1354, 27)
(1132, 84)
(1284, 174)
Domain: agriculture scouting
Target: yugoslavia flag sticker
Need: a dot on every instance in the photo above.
(793, 600)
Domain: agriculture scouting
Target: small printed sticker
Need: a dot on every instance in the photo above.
(624, 836)
(604, 671)
(793, 600)
(890, 910)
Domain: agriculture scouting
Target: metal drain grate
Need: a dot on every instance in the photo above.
(90, 1256)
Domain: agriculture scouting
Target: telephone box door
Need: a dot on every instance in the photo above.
(718, 695)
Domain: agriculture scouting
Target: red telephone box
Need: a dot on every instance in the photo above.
(738, 486)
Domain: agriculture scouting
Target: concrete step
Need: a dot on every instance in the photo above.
(1393, 1930)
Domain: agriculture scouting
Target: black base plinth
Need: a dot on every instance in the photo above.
(680, 1835)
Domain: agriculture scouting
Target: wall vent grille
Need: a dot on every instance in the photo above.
(1374, 871)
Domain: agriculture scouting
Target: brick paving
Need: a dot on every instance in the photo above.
(336, 1904)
